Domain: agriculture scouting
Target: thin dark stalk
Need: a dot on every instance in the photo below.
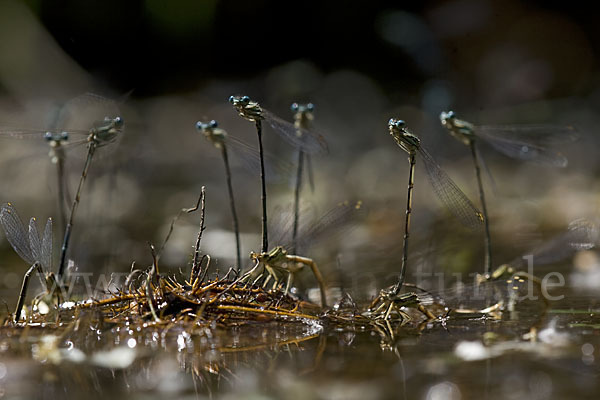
(196, 260)
(411, 184)
(263, 197)
(60, 172)
(183, 210)
(236, 226)
(297, 201)
(488, 242)
(65, 246)
(23, 293)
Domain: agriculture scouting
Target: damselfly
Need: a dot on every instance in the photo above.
(105, 130)
(303, 117)
(303, 139)
(454, 199)
(34, 249)
(525, 142)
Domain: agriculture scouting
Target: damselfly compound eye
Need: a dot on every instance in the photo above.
(310, 107)
(64, 135)
(213, 124)
(231, 99)
(199, 125)
(294, 107)
(48, 136)
(245, 99)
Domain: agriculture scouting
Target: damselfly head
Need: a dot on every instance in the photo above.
(303, 108)
(205, 126)
(446, 117)
(303, 112)
(405, 139)
(236, 100)
(55, 139)
(212, 132)
(118, 122)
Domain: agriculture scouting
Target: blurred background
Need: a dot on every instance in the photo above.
(169, 64)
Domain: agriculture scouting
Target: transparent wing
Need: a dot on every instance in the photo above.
(276, 169)
(308, 141)
(581, 235)
(46, 253)
(487, 170)
(335, 221)
(82, 112)
(15, 232)
(281, 224)
(453, 198)
(529, 142)
(36, 134)
(539, 134)
(35, 242)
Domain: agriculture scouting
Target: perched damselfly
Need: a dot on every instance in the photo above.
(533, 143)
(303, 117)
(454, 199)
(104, 130)
(34, 249)
(305, 140)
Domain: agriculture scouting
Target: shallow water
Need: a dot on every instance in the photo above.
(461, 357)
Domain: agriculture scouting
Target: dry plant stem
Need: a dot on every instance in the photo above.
(488, 242)
(36, 266)
(263, 311)
(65, 246)
(263, 196)
(195, 263)
(236, 226)
(316, 272)
(153, 273)
(297, 201)
(411, 184)
(183, 210)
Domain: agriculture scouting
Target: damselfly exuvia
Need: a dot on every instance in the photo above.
(279, 261)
